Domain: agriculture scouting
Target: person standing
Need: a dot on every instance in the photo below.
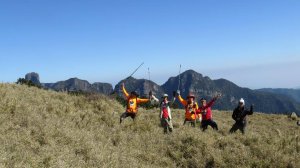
(165, 114)
(240, 117)
(191, 107)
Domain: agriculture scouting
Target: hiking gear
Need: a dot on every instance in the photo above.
(179, 80)
(191, 96)
(165, 115)
(191, 122)
(206, 123)
(125, 115)
(165, 111)
(239, 126)
(240, 114)
(175, 94)
(149, 74)
(189, 108)
(154, 98)
(150, 92)
(134, 93)
(178, 88)
(135, 70)
(206, 110)
(132, 103)
(165, 95)
(242, 101)
(166, 123)
(150, 95)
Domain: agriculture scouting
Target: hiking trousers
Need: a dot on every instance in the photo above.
(206, 123)
(126, 114)
(239, 125)
(166, 123)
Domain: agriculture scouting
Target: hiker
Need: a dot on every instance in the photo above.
(133, 101)
(191, 107)
(205, 110)
(165, 113)
(240, 116)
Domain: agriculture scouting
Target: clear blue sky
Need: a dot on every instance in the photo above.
(254, 43)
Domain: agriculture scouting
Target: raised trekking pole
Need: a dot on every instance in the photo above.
(150, 92)
(133, 72)
(179, 81)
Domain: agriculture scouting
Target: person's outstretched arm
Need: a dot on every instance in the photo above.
(182, 101)
(154, 98)
(125, 91)
(139, 100)
(212, 102)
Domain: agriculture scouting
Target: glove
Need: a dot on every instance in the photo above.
(150, 94)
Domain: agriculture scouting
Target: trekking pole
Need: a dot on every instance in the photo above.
(135, 70)
(150, 92)
(179, 81)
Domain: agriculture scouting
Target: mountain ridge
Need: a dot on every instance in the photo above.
(191, 81)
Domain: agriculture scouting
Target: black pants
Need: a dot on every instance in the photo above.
(192, 122)
(126, 114)
(239, 125)
(206, 123)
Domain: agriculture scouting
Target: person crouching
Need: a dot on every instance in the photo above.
(205, 110)
(133, 101)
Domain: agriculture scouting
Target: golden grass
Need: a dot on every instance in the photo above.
(41, 128)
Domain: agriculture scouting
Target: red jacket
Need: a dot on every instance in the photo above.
(206, 110)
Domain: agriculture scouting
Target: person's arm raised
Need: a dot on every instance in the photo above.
(125, 91)
(182, 101)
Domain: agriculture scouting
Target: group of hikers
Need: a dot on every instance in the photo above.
(193, 112)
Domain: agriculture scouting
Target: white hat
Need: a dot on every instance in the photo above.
(242, 101)
(165, 95)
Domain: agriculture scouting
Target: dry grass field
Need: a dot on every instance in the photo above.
(40, 128)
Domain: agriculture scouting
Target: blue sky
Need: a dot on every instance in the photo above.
(253, 43)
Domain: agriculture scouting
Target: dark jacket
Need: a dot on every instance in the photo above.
(240, 114)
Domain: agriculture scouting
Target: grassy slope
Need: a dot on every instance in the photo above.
(47, 129)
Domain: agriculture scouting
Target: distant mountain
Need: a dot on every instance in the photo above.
(75, 84)
(293, 93)
(104, 88)
(194, 82)
(33, 77)
(266, 100)
(141, 86)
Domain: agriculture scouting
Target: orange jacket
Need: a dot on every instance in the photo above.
(132, 103)
(189, 108)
